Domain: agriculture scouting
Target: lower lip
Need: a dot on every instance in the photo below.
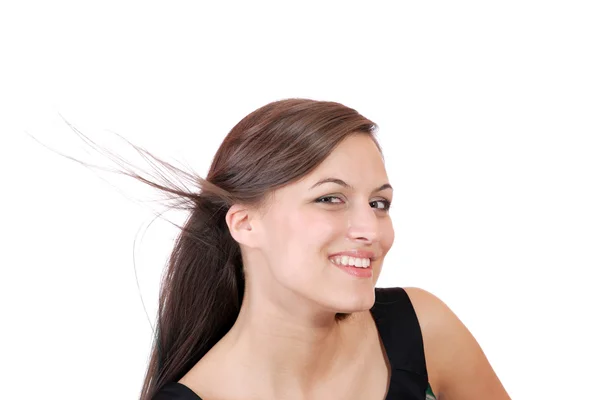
(355, 271)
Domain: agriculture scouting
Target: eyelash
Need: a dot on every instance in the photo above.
(387, 203)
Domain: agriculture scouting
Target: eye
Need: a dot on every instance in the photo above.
(385, 204)
(328, 198)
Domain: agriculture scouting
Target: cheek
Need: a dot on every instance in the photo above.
(299, 244)
(387, 236)
(311, 234)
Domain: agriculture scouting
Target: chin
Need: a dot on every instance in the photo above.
(355, 301)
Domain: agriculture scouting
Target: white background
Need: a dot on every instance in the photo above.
(489, 116)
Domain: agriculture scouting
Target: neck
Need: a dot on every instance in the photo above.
(289, 351)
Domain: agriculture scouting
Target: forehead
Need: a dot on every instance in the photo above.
(356, 160)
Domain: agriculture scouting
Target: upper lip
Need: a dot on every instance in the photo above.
(355, 253)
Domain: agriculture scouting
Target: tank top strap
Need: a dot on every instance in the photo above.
(401, 335)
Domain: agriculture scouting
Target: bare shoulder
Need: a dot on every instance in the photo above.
(456, 364)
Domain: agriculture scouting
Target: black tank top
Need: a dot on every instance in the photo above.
(401, 336)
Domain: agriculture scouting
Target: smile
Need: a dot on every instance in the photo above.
(351, 261)
(358, 271)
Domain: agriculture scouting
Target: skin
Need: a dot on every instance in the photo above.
(456, 365)
(286, 342)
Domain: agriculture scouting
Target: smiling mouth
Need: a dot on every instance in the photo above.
(358, 271)
(348, 261)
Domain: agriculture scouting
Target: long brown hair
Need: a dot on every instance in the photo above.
(203, 285)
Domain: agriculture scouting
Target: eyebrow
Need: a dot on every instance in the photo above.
(346, 185)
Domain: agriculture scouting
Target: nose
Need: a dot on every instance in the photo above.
(363, 225)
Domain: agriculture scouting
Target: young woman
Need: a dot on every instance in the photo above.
(270, 290)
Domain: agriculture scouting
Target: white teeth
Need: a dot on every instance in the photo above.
(351, 261)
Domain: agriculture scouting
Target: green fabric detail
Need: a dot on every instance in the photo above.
(429, 393)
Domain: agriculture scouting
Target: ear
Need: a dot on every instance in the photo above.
(239, 220)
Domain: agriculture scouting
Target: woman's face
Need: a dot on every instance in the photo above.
(312, 219)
